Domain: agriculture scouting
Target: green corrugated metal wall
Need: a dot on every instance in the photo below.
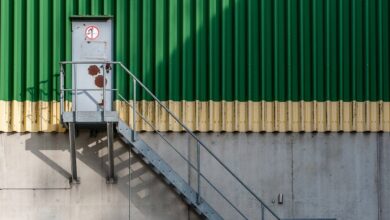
(210, 49)
(223, 65)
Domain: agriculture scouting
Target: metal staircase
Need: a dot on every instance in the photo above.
(170, 176)
(111, 120)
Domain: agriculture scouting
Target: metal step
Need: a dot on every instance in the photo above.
(169, 175)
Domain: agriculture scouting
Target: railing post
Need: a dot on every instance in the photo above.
(74, 102)
(104, 91)
(134, 108)
(72, 149)
(130, 184)
(198, 169)
(62, 97)
(110, 145)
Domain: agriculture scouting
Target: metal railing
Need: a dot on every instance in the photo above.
(63, 90)
(199, 144)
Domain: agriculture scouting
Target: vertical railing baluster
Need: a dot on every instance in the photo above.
(75, 89)
(62, 97)
(72, 149)
(198, 169)
(104, 91)
(134, 108)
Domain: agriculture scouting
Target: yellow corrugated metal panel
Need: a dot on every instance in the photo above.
(385, 116)
(374, 116)
(360, 116)
(320, 115)
(30, 116)
(217, 116)
(267, 116)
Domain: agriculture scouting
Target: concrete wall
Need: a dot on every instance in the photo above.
(341, 175)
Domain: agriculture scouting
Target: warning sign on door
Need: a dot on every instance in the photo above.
(92, 32)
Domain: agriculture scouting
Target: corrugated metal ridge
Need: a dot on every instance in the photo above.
(265, 116)
(218, 116)
(268, 51)
(271, 50)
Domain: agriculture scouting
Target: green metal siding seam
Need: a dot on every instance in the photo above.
(6, 43)
(161, 50)
(266, 51)
(293, 43)
(70, 8)
(240, 54)
(385, 24)
(200, 51)
(148, 46)
(188, 66)
(44, 48)
(215, 50)
(380, 49)
(253, 37)
(209, 50)
(57, 49)
(367, 47)
(174, 44)
(120, 51)
(32, 54)
(18, 80)
(227, 50)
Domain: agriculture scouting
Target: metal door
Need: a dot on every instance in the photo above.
(91, 41)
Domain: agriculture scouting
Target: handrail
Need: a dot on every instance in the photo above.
(263, 205)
